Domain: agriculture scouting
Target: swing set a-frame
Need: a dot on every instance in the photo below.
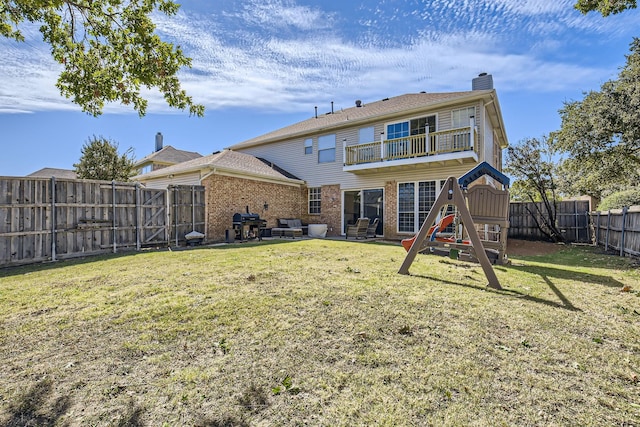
(487, 204)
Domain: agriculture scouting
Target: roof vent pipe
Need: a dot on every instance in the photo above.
(316, 111)
(331, 107)
(158, 141)
(358, 103)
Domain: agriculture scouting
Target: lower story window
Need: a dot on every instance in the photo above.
(415, 200)
(315, 200)
(406, 207)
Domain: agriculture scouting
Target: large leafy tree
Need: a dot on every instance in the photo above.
(108, 49)
(531, 163)
(605, 7)
(100, 160)
(601, 134)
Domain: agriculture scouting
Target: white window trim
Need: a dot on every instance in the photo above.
(334, 147)
(416, 203)
(319, 200)
(386, 124)
(461, 109)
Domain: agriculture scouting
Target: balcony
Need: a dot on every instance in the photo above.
(436, 148)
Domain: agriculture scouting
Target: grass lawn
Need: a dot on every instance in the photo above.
(320, 332)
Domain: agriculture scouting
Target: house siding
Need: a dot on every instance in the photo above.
(488, 147)
(165, 181)
(290, 156)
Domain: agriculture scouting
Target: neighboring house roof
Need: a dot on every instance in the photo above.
(402, 105)
(226, 161)
(49, 172)
(169, 155)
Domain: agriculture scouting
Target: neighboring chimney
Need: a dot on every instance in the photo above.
(158, 141)
(484, 81)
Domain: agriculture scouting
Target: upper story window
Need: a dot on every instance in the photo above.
(418, 126)
(146, 169)
(327, 148)
(398, 130)
(308, 146)
(497, 152)
(461, 118)
(366, 135)
(315, 200)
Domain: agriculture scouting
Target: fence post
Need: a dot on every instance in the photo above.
(606, 239)
(624, 219)
(138, 215)
(113, 213)
(193, 207)
(598, 230)
(53, 218)
(175, 214)
(575, 217)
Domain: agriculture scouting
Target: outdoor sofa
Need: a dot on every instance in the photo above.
(289, 228)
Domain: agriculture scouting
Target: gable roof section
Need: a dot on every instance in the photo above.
(225, 162)
(169, 155)
(402, 105)
(53, 172)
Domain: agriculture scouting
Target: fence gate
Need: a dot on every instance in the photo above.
(153, 216)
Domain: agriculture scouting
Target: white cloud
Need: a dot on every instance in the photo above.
(282, 14)
(536, 7)
(277, 54)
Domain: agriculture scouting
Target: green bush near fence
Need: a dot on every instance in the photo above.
(620, 200)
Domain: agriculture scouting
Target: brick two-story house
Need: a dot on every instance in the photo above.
(386, 159)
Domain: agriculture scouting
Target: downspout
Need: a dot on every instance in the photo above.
(213, 171)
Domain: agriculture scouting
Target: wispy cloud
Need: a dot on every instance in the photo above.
(278, 54)
(279, 14)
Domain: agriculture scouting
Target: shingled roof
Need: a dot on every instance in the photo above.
(225, 161)
(387, 107)
(53, 172)
(169, 155)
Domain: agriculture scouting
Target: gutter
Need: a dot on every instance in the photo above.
(215, 170)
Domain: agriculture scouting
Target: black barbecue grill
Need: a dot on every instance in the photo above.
(248, 226)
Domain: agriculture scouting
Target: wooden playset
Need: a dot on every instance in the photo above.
(480, 223)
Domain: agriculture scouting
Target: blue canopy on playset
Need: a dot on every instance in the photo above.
(479, 171)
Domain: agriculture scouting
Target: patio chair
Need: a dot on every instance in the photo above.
(359, 229)
(371, 229)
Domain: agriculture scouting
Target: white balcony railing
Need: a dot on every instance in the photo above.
(431, 144)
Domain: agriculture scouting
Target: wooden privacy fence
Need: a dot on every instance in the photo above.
(572, 218)
(48, 219)
(618, 229)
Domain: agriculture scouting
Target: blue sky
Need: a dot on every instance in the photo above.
(259, 65)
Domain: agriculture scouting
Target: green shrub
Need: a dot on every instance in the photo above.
(620, 199)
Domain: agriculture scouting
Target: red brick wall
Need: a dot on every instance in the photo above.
(227, 195)
(390, 211)
(331, 209)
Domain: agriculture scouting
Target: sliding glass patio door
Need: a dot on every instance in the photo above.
(364, 203)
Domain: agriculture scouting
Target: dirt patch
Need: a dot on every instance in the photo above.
(517, 247)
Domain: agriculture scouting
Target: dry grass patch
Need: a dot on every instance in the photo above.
(319, 332)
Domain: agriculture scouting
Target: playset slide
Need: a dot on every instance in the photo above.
(441, 225)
